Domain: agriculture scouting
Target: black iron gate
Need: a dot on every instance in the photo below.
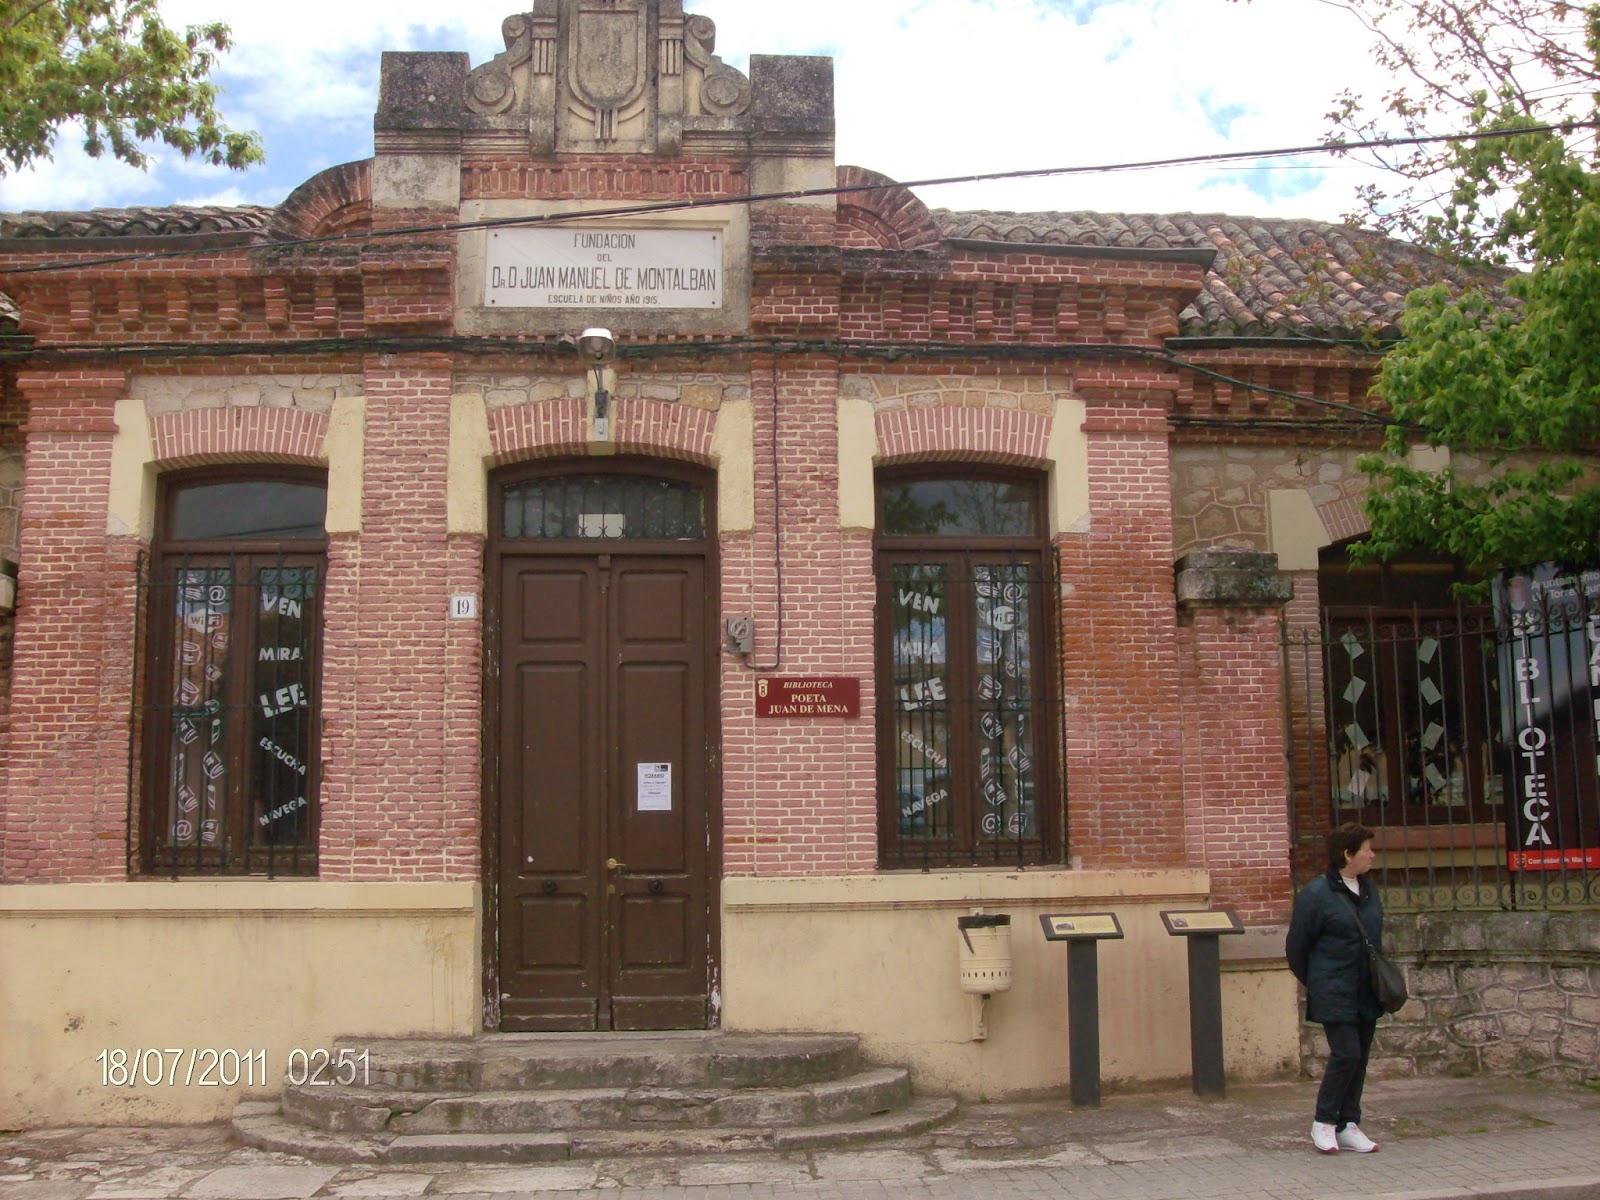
(1466, 738)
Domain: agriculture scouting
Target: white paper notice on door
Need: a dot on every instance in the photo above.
(655, 787)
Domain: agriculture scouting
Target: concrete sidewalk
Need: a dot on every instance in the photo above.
(1448, 1139)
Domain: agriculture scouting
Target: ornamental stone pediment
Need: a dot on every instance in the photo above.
(608, 76)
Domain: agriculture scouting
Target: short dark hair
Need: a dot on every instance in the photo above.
(1347, 839)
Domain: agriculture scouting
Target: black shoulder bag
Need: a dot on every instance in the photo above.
(1388, 978)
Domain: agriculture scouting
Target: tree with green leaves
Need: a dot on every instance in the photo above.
(117, 70)
(1512, 379)
(1456, 66)
(1508, 374)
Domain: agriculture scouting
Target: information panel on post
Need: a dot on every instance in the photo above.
(1071, 927)
(1202, 921)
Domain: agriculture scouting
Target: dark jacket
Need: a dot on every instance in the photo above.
(1326, 953)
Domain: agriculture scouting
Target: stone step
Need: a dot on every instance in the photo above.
(384, 1110)
(566, 1061)
(266, 1129)
(543, 1097)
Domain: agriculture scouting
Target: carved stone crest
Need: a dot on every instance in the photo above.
(606, 76)
(608, 61)
(607, 57)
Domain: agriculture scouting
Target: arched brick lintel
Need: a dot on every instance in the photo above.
(1007, 437)
(1343, 518)
(202, 437)
(553, 428)
(337, 200)
(889, 215)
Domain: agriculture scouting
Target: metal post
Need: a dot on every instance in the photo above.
(1083, 1021)
(1081, 932)
(1205, 1014)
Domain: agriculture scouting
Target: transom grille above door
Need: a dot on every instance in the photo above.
(604, 507)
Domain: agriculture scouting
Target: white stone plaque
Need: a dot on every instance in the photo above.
(592, 266)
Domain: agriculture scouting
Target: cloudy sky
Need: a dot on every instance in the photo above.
(925, 88)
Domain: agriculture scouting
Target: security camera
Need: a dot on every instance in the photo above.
(597, 346)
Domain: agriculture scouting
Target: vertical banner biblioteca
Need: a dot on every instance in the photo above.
(1550, 718)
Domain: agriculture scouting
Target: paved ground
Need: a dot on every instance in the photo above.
(1442, 1138)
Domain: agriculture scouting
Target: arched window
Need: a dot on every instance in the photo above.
(966, 724)
(233, 601)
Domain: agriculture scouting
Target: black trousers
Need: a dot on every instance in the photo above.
(1339, 1097)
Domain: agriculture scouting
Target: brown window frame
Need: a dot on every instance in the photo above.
(963, 558)
(238, 849)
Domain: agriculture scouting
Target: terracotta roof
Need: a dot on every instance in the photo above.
(135, 222)
(1273, 277)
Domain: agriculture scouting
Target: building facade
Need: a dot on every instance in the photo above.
(380, 664)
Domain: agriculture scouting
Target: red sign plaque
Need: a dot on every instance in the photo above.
(808, 696)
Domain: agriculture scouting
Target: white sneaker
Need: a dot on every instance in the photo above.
(1351, 1138)
(1324, 1138)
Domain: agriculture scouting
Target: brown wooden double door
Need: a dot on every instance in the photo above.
(606, 885)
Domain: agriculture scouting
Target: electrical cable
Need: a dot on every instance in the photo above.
(735, 345)
(777, 523)
(633, 210)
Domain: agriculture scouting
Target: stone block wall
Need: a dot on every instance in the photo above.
(1219, 493)
(701, 390)
(173, 393)
(1514, 994)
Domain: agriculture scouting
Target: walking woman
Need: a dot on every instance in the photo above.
(1327, 953)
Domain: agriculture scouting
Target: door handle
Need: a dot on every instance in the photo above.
(613, 865)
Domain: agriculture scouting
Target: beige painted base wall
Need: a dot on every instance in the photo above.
(879, 955)
(252, 967)
(263, 969)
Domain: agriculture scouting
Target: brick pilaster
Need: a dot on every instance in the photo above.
(399, 801)
(64, 779)
(1235, 769)
(1119, 667)
(798, 795)
(1310, 812)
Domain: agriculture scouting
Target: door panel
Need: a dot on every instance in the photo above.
(659, 960)
(556, 701)
(606, 886)
(549, 716)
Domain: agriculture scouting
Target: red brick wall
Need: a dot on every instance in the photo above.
(1311, 814)
(64, 779)
(799, 796)
(1233, 757)
(12, 413)
(1119, 664)
(402, 698)
(402, 682)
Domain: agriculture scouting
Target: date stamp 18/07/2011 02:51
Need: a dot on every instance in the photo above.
(207, 1066)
